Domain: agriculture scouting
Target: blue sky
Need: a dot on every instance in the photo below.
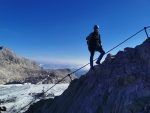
(55, 30)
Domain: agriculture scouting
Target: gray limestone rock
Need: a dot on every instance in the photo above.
(15, 69)
(121, 84)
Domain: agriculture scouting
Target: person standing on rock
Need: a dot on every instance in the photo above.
(94, 44)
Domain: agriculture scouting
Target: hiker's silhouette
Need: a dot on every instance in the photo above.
(94, 44)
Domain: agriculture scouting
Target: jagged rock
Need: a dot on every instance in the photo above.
(119, 85)
(3, 108)
(14, 69)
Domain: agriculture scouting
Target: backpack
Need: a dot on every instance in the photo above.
(93, 39)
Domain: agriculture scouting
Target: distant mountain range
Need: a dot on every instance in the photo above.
(72, 67)
(15, 69)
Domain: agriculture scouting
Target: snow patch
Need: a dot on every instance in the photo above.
(16, 96)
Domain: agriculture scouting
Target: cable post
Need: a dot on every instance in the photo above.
(70, 76)
(145, 29)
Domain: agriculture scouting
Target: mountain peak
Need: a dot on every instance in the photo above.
(15, 69)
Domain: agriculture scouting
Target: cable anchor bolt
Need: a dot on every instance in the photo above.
(70, 76)
(145, 29)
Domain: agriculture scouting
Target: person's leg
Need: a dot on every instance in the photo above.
(100, 49)
(91, 58)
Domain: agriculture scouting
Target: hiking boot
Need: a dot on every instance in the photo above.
(98, 62)
(92, 68)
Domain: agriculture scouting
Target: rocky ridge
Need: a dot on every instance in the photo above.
(14, 69)
(121, 84)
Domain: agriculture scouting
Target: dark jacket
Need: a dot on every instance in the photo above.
(93, 40)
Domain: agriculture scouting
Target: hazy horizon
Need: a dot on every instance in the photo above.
(55, 31)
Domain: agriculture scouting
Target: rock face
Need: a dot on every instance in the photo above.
(14, 69)
(121, 84)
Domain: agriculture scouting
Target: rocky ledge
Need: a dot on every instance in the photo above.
(121, 84)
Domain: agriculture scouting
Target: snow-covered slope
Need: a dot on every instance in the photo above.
(14, 97)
